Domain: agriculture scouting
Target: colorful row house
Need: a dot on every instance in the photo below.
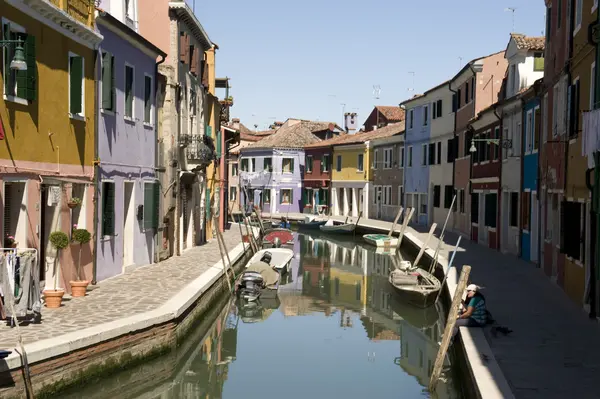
(123, 133)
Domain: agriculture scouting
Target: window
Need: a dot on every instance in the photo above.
(513, 80)
(287, 196)
(410, 156)
(287, 165)
(147, 99)
(454, 102)
(574, 117)
(325, 163)
(266, 196)
(129, 91)
(401, 157)
(466, 93)
(76, 85)
(475, 208)
(376, 194)
(245, 165)
(461, 197)
(593, 83)
(387, 158)
(526, 210)
(360, 163)
(439, 108)
(268, 164)
(422, 204)
(537, 127)
(458, 98)
(309, 164)
(234, 169)
(425, 115)
(424, 155)
(232, 193)
(108, 81)
(387, 196)
(439, 152)
(472, 88)
(400, 195)
(108, 208)
(538, 62)
(496, 148)
(411, 118)
(491, 203)
(436, 196)
(151, 204)
(339, 163)
(19, 86)
(448, 196)
(578, 15)
(450, 150)
(431, 153)
(514, 209)
(506, 136)
(529, 132)
(434, 112)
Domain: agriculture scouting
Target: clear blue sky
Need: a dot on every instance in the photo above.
(303, 59)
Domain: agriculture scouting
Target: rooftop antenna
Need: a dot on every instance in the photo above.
(512, 10)
(412, 88)
(376, 91)
(343, 114)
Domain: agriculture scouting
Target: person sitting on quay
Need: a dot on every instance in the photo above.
(475, 314)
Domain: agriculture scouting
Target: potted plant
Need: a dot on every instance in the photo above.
(74, 202)
(59, 240)
(79, 286)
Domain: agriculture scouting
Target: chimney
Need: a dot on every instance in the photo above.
(235, 123)
(350, 122)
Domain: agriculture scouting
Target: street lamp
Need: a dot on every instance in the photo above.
(505, 143)
(18, 62)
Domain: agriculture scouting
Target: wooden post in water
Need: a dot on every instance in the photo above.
(452, 314)
(403, 228)
(422, 251)
(221, 251)
(395, 222)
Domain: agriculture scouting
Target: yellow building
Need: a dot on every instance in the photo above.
(352, 173)
(47, 121)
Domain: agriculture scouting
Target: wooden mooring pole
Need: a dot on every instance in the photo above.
(452, 314)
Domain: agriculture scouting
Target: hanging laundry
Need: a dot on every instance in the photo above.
(590, 141)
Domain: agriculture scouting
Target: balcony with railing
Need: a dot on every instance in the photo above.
(200, 150)
(80, 10)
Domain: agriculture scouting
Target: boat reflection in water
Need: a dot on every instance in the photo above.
(336, 324)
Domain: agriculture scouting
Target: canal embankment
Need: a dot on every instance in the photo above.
(124, 321)
(481, 373)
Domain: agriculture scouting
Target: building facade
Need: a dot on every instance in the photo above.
(47, 118)
(187, 124)
(383, 115)
(316, 181)
(388, 176)
(350, 177)
(129, 191)
(416, 143)
(485, 177)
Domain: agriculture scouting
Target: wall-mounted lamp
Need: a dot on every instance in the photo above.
(18, 62)
(505, 143)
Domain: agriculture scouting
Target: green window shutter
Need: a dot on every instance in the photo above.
(113, 84)
(156, 212)
(107, 81)
(209, 130)
(147, 98)
(108, 209)
(75, 79)
(148, 205)
(6, 36)
(219, 144)
(26, 80)
(208, 205)
(128, 91)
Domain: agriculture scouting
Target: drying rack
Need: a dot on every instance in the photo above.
(16, 251)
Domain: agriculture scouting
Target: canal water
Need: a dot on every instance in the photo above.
(335, 331)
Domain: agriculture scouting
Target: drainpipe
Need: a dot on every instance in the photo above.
(455, 155)
(156, 166)
(499, 199)
(97, 60)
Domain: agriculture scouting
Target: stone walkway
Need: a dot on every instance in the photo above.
(137, 291)
(554, 349)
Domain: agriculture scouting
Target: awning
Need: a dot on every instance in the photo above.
(187, 177)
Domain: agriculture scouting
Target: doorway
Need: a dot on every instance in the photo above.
(128, 223)
(360, 200)
(505, 226)
(533, 256)
(483, 230)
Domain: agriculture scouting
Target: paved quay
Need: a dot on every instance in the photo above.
(138, 291)
(554, 349)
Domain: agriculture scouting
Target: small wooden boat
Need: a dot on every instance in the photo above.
(381, 240)
(262, 276)
(279, 258)
(418, 286)
(344, 228)
(311, 223)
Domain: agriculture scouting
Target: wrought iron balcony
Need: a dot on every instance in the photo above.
(201, 150)
(184, 140)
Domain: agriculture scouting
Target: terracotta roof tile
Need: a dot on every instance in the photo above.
(391, 113)
(295, 136)
(529, 42)
(362, 137)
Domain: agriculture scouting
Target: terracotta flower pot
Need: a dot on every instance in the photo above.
(72, 204)
(53, 298)
(78, 288)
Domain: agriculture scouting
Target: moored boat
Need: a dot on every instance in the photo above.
(417, 286)
(263, 272)
(338, 228)
(381, 240)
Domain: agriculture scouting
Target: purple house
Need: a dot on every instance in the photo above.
(128, 192)
(271, 169)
